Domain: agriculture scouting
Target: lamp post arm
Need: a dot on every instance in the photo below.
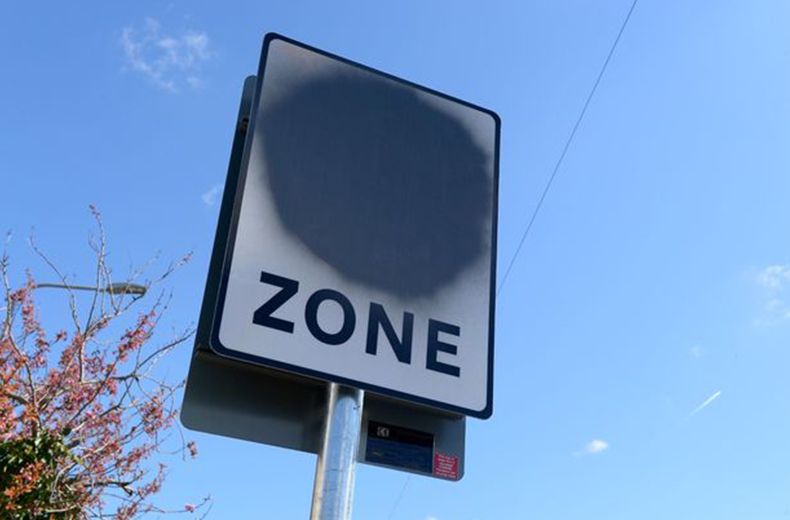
(114, 288)
(64, 286)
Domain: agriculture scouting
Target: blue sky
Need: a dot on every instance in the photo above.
(656, 278)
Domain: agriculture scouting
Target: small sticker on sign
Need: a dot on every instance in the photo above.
(445, 466)
(399, 447)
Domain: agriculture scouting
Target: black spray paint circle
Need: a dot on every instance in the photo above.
(379, 184)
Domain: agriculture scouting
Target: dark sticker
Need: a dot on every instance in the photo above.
(399, 447)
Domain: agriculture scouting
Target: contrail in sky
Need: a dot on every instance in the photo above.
(706, 402)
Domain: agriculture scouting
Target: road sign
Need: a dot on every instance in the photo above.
(237, 399)
(360, 247)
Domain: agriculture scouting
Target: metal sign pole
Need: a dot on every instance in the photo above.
(333, 490)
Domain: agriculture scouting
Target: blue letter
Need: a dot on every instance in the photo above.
(311, 317)
(402, 348)
(263, 315)
(435, 346)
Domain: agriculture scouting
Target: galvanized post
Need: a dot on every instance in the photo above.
(333, 490)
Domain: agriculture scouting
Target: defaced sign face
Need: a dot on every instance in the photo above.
(361, 245)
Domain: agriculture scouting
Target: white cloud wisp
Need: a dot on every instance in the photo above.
(594, 447)
(774, 280)
(706, 403)
(212, 195)
(167, 61)
(774, 276)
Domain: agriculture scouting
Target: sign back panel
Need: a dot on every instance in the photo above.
(361, 244)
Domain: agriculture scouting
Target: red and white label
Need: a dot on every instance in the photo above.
(445, 466)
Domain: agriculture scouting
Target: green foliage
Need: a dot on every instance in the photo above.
(29, 479)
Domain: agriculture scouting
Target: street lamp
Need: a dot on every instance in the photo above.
(113, 288)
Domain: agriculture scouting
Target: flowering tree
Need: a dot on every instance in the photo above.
(82, 410)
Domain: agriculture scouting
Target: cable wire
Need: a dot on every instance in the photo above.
(566, 147)
(545, 191)
(400, 496)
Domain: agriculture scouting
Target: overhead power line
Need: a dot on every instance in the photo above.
(545, 191)
(400, 496)
(565, 148)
